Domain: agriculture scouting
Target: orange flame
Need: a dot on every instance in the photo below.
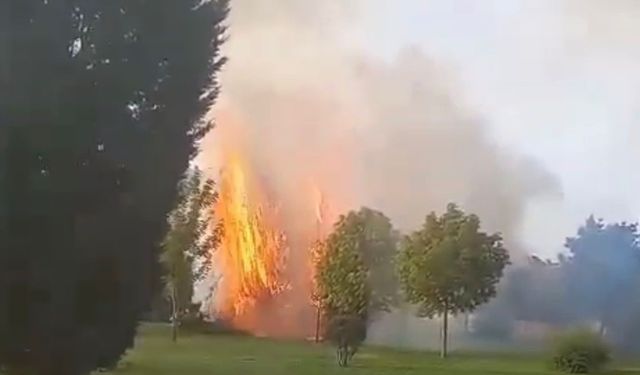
(252, 249)
(266, 285)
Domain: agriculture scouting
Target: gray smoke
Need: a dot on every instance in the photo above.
(396, 135)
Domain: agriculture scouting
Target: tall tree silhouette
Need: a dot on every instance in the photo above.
(603, 277)
(100, 112)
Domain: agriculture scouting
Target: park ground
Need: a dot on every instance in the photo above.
(200, 354)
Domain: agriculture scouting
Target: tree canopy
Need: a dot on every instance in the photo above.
(595, 283)
(602, 277)
(354, 277)
(100, 112)
(450, 266)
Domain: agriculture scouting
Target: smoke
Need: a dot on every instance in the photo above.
(394, 135)
(424, 147)
(312, 105)
(592, 26)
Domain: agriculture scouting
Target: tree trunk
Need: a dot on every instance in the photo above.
(467, 329)
(318, 324)
(352, 352)
(603, 328)
(341, 354)
(445, 331)
(174, 314)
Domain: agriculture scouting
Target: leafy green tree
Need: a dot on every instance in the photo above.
(450, 266)
(345, 299)
(379, 244)
(354, 278)
(100, 112)
(187, 247)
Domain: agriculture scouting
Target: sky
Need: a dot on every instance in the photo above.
(557, 80)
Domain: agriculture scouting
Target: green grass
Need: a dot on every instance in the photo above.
(235, 355)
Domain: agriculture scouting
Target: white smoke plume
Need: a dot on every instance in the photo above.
(397, 136)
(313, 104)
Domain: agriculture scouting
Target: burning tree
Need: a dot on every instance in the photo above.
(252, 248)
(100, 112)
(450, 266)
(352, 266)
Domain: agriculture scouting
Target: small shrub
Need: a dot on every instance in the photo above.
(347, 332)
(580, 352)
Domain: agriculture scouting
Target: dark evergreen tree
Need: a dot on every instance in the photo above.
(100, 112)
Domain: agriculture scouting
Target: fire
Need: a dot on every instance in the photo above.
(257, 292)
(252, 249)
(270, 226)
(320, 205)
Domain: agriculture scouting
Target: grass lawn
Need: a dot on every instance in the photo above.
(235, 355)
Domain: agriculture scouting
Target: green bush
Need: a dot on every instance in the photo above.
(347, 332)
(580, 352)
